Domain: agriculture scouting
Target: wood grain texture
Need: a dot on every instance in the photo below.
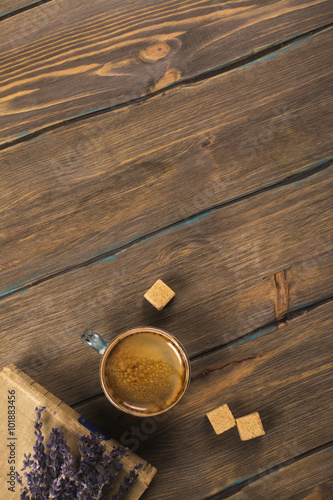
(314, 481)
(194, 185)
(285, 374)
(323, 491)
(74, 193)
(66, 58)
(222, 267)
(10, 6)
(302, 278)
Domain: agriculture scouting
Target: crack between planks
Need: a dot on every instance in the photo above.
(233, 489)
(280, 278)
(205, 75)
(292, 314)
(298, 176)
(24, 9)
(236, 362)
(288, 316)
(89, 399)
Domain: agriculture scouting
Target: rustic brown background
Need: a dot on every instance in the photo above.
(189, 141)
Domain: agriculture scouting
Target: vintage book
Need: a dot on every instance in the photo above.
(19, 396)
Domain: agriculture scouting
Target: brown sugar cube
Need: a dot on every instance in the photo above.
(159, 294)
(221, 419)
(250, 426)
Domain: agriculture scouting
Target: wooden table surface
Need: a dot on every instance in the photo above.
(190, 141)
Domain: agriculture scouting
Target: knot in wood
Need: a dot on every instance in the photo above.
(155, 52)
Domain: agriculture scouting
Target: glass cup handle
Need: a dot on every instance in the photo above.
(92, 339)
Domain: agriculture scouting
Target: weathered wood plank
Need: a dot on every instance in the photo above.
(307, 479)
(323, 491)
(72, 194)
(302, 284)
(66, 58)
(285, 374)
(222, 267)
(9, 6)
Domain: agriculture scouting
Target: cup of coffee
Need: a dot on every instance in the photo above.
(144, 371)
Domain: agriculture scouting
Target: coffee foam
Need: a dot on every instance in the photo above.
(145, 372)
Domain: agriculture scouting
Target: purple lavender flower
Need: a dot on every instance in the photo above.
(127, 483)
(55, 474)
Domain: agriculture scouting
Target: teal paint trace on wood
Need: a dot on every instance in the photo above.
(262, 331)
(309, 304)
(20, 285)
(13, 290)
(117, 247)
(145, 237)
(89, 111)
(24, 7)
(207, 211)
(100, 257)
(261, 59)
(314, 165)
(177, 225)
(180, 82)
(281, 51)
(240, 481)
(21, 135)
(111, 257)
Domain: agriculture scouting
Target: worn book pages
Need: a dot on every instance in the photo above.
(19, 396)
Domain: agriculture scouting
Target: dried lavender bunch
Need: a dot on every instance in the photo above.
(55, 474)
(127, 483)
(97, 470)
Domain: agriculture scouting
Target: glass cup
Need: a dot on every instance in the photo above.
(144, 371)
